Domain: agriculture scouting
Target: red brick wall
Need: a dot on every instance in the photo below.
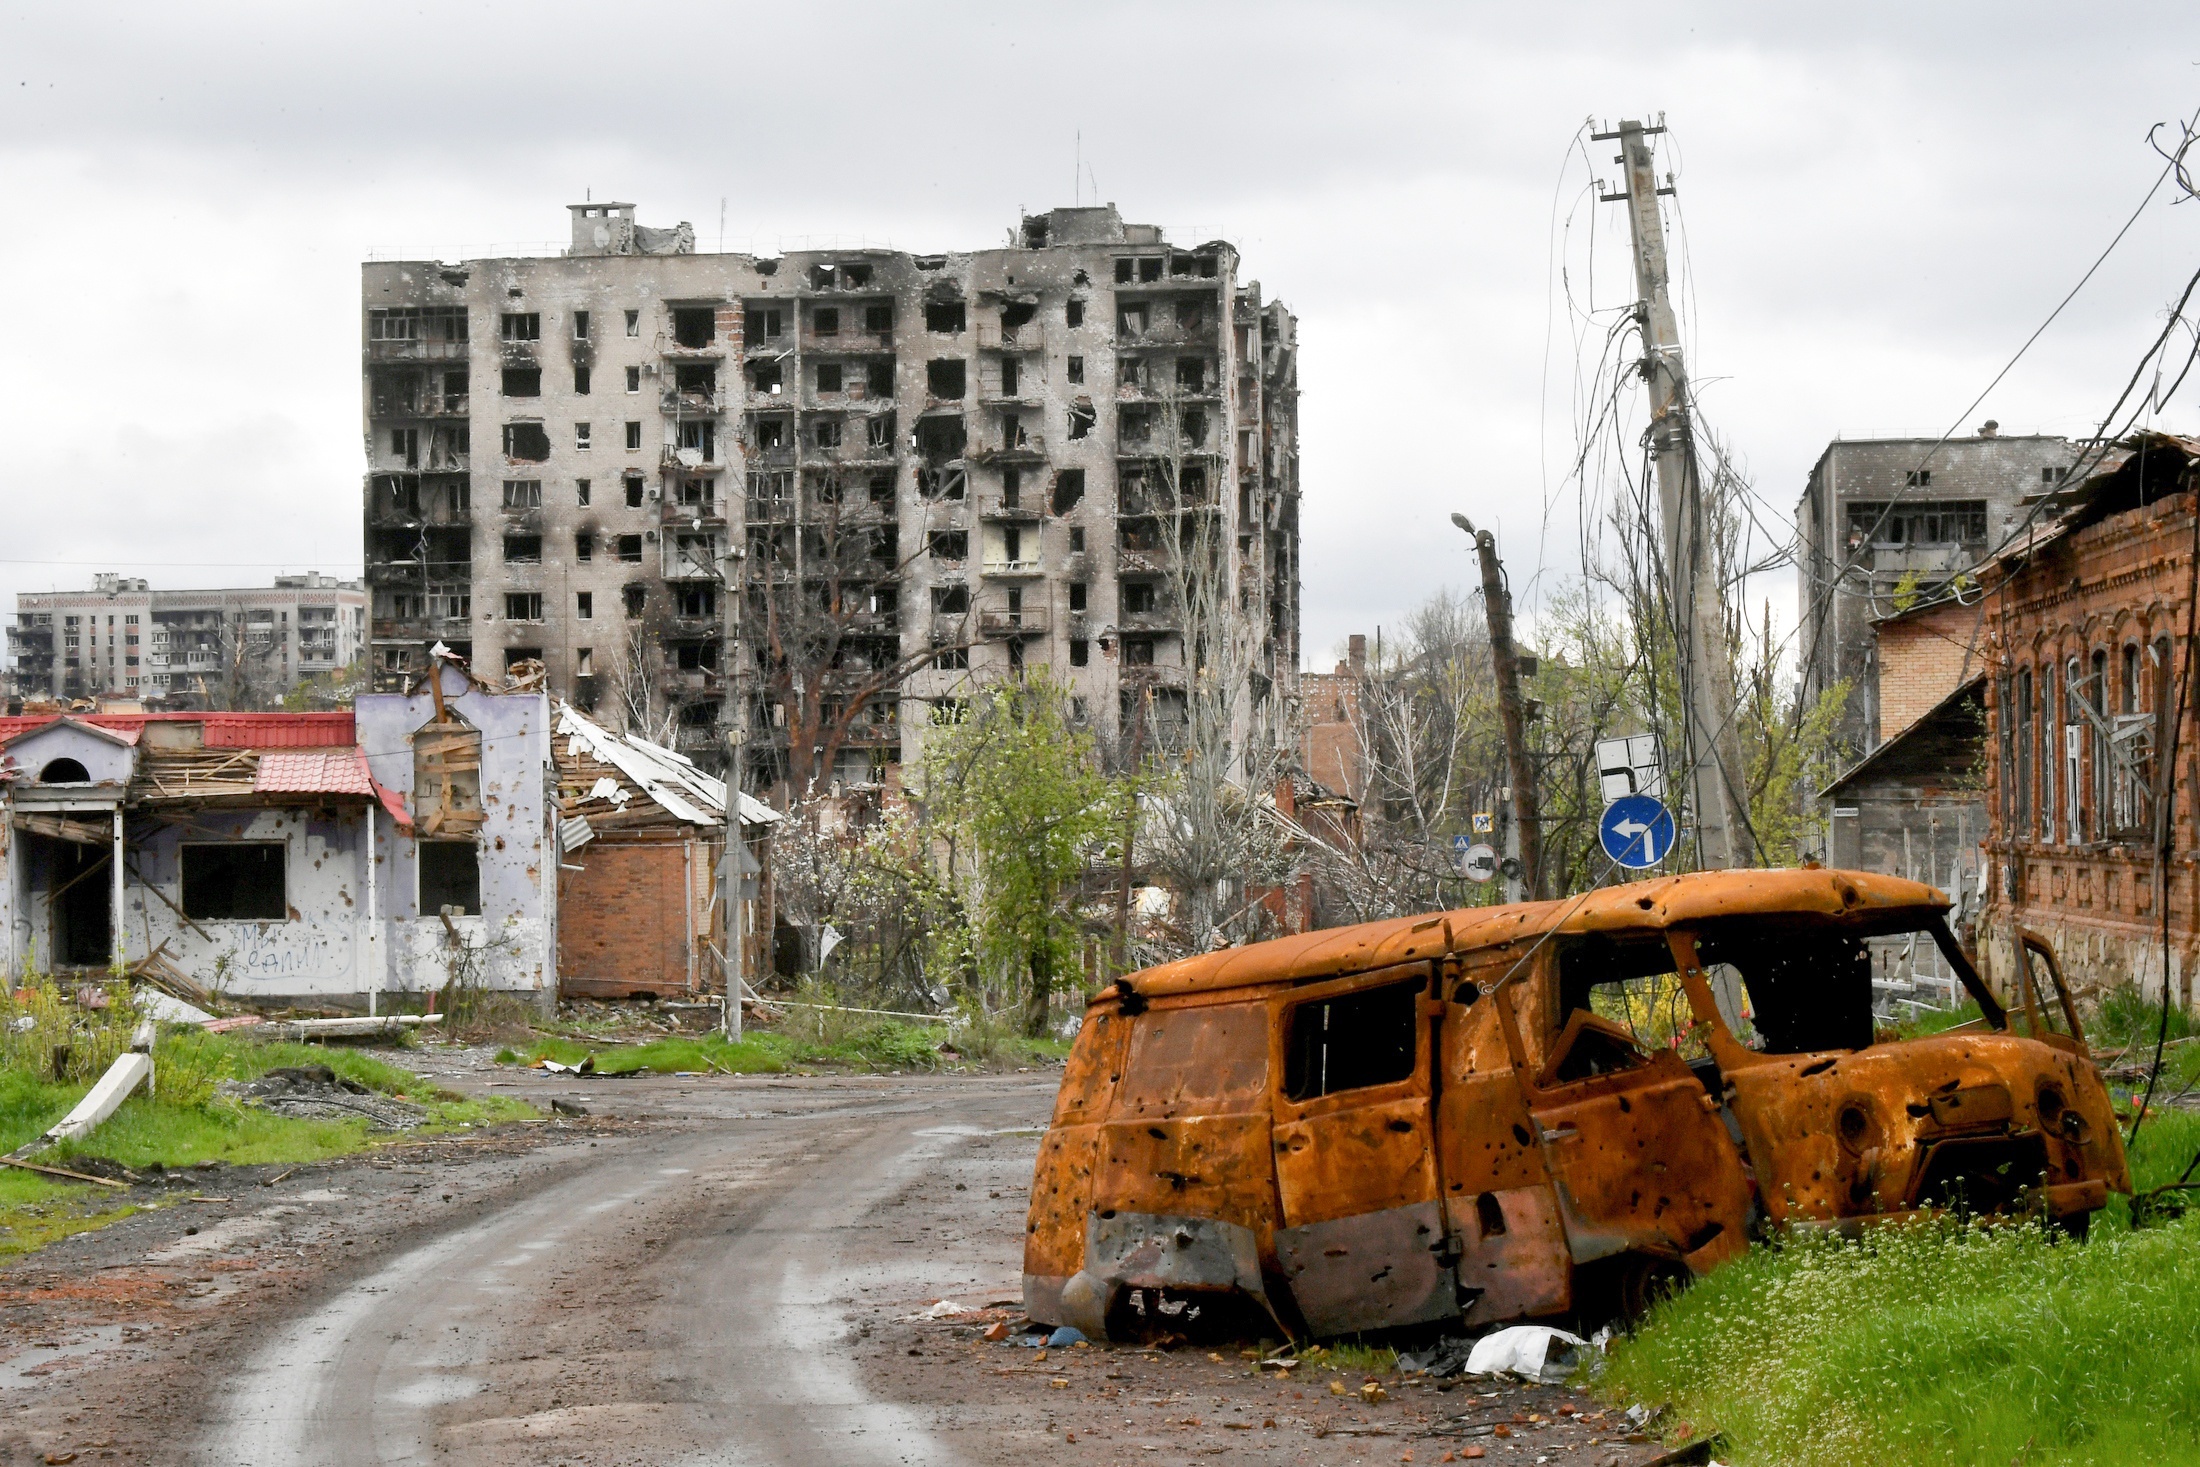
(1921, 660)
(623, 919)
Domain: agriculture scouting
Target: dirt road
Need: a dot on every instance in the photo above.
(706, 1270)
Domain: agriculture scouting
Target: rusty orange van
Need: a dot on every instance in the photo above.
(1509, 1112)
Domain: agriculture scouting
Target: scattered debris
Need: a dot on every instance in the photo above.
(1526, 1350)
(564, 1107)
(315, 1090)
(123, 1076)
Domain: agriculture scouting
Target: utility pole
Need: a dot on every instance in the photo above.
(732, 878)
(1710, 742)
(1526, 816)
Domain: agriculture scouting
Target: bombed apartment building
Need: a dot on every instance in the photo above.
(228, 649)
(1886, 520)
(905, 474)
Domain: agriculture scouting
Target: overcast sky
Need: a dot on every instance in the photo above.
(1880, 203)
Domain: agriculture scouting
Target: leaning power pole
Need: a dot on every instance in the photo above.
(1526, 808)
(1710, 742)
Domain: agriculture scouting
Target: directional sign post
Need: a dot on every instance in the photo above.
(1636, 831)
(1478, 863)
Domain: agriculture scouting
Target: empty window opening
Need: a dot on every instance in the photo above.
(1191, 312)
(697, 657)
(1076, 538)
(825, 321)
(523, 493)
(405, 444)
(523, 549)
(522, 326)
(700, 438)
(762, 323)
(878, 432)
(1008, 377)
(882, 485)
(1080, 652)
(1191, 374)
(1076, 369)
(1138, 597)
(944, 379)
(584, 608)
(878, 379)
(771, 433)
(878, 318)
(580, 325)
(696, 379)
(1082, 419)
(1918, 478)
(1149, 269)
(633, 491)
(944, 318)
(635, 599)
(634, 379)
(1074, 313)
(64, 771)
(523, 381)
(1138, 651)
(694, 327)
(633, 435)
(580, 381)
(526, 442)
(450, 877)
(826, 432)
(1351, 1042)
(696, 598)
(523, 606)
(235, 883)
(584, 661)
(950, 657)
(1131, 320)
(949, 544)
(1919, 522)
(1069, 488)
(1077, 594)
(630, 549)
(766, 377)
(1012, 486)
(951, 600)
(828, 377)
(633, 323)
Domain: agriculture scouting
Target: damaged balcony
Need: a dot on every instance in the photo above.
(1011, 622)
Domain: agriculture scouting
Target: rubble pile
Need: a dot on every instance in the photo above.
(317, 1091)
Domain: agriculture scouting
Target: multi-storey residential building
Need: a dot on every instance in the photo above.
(1886, 520)
(920, 470)
(215, 648)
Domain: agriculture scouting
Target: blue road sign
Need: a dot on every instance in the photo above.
(1462, 843)
(1636, 831)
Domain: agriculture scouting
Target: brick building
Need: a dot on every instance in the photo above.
(2084, 633)
(922, 470)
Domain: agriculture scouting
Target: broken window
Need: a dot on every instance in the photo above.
(878, 318)
(700, 438)
(633, 435)
(878, 378)
(944, 378)
(450, 877)
(1083, 417)
(1123, 269)
(696, 657)
(762, 323)
(696, 598)
(950, 600)
(454, 392)
(694, 327)
(1012, 486)
(944, 318)
(405, 444)
(1195, 429)
(1131, 320)
(630, 549)
(522, 326)
(695, 379)
(882, 485)
(636, 599)
(1917, 522)
(828, 377)
(584, 661)
(949, 544)
(580, 381)
(633, 323)
(1138, 651)
(1138, 597)
(633, 491)
(1352, 1041)
(771, 432)
(527, 442)
(1080, 652)
(1008, 377)
(1076, 538)
(395, 324)
(580, 492)
(580, 437)
(1076, 367)
(523, 549)
(1149, 269)
(825, 432)
(1074, 313)
(698, 493)
(825, 321)
(242, 882)
(580, 325)
(523, 493)
(1191, 374)
(584, 605)
(855, 277)
(523, 606)
(950, 657)
(634, 379)
(766, 377)
(1077, 592)
(878, 432)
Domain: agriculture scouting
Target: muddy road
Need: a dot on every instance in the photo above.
(706, 1270)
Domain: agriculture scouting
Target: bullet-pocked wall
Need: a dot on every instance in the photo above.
(496, 876)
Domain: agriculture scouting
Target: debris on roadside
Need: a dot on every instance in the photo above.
(1534, 1352)
(316, 1091)
(564, 1107)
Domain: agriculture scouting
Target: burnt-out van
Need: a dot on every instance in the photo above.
(1529, 1110)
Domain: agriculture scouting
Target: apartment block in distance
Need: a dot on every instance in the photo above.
(954, 466)
(236, 648)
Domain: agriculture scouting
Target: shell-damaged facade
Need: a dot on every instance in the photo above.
(1507, 1112)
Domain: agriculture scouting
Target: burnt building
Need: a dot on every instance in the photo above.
(904, 473)
(2085, 651)
(1887, 522)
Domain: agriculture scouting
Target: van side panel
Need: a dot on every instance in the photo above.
(1061, 1183)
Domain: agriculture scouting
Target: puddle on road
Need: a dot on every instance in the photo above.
(26, 1368)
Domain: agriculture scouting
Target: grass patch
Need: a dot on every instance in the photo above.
(874, 1045)
(185, 1121)
(1933, 1342)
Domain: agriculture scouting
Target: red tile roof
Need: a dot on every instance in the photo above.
(221, 730)
(319, 772)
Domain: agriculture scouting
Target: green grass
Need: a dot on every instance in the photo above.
(881, 1045)
(1936, 1343)
(184, 1122)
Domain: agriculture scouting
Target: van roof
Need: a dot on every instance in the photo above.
(1861, 898)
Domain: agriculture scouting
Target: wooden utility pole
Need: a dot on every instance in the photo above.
(733, 587)
(1711, 744)
(1526, 810)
